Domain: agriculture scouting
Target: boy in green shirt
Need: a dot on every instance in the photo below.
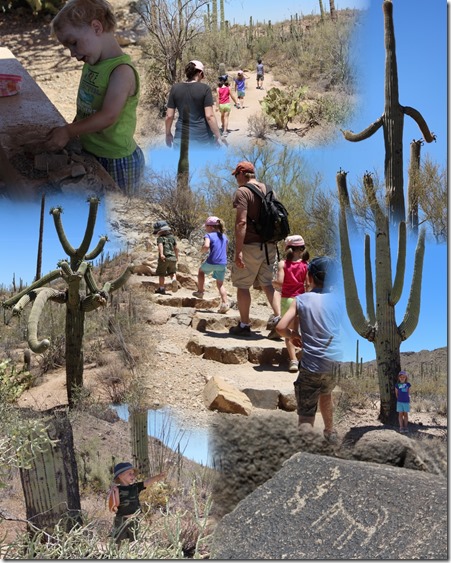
(108, 92)
(168, 254)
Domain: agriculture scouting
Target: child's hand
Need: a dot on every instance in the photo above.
(57, 138)
(169, 139)
(163, 258)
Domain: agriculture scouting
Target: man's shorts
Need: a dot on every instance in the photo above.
(308, 387)
(402, 407)
(257, 271)
(225, 108)
(165, 268)
(240, 93)
(260, 77)
(216, 270)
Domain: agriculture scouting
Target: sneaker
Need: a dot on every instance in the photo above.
(294, 366)
(174, 285)
(225, 134)
(161, 291)
(198, 294)
(240, 330)
(223, 308)
(331, 437)
(274, 335)
(272, 322)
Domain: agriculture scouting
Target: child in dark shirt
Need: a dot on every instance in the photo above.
(123, 499)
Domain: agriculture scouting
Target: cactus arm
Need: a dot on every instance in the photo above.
(122, 279)
(416, 116)
(31, 296)
(93, 301)
(369, 289)
(56, 214)
(365, 134)
(353, 306)
(47, 293)
(93, 206)
(90, 281)
(98, 249)
(412, 314)
(51, 276)
(398, 284)
(343, 194)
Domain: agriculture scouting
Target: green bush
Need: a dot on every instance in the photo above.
(283, 105)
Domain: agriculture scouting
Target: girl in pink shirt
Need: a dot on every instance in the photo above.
(223, 105)
(291, 276)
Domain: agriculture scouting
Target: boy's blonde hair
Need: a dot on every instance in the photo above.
(82, 12)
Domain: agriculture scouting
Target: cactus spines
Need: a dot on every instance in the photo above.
(392, 122)
(73, 272)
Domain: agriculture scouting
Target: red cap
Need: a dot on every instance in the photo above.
(244, 166)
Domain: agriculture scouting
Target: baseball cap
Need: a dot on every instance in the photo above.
(198, 65)
(212, 221)
(121, 468)
(294, 240)
(319, 268)
(244, 166)
(164, 229)
(158, 225)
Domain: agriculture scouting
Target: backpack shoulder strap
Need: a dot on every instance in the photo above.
(255, 190)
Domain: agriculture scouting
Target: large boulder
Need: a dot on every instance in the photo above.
(223, 397)
(319, 507)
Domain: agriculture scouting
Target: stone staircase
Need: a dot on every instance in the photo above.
(258, 375)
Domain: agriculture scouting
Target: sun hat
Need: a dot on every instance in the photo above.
(240, 72)
(294, 240)
(198, 65)
(159, 225)
(121, 468)
(164, 229)
(403, 372)
(212, 221)
(244, 166)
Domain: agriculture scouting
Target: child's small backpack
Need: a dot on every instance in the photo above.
(113, 498)
(272, 224)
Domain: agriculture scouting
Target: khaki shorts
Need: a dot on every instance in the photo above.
(308, 387)
(166, 268)
(257, 268)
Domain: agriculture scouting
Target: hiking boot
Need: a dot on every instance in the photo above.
(198, 294)
(161, 291)
(174, 285)
(293, 366)
(223, 308)
(272, 322)
(274, 335)
(240, 330)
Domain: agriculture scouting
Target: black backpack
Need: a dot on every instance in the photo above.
(272, 224)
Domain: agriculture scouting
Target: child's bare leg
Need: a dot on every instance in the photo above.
(161, 281)
(400, 418)
(200, 281)
(291, 348)
(222, 291)
(326, 408)
(225, 123)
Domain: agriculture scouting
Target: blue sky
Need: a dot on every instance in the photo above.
(421, 41)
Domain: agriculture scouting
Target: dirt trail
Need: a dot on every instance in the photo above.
(238, 117)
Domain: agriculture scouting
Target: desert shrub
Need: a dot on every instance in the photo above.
(55, 355)
(13, 381)
(329, 108)
(259, 125)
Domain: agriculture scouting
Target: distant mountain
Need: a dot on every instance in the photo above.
(417, 363)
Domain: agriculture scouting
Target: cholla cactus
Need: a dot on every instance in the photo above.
(73, 272)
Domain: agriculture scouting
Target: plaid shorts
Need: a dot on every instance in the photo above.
(127, 172)
(308, 387)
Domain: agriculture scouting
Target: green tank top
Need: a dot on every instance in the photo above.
(117, 140)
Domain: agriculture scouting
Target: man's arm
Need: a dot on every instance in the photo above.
(240, 233)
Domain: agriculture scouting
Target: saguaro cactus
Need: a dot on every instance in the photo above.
(50, 479)
(379, 325)
(77, 303)
(140, 440)
(392, 122)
